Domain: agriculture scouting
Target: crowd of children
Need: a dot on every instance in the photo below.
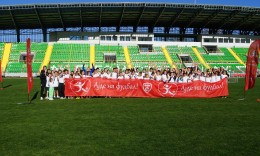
(52, 81)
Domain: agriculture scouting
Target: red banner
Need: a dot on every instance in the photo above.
(144, 88)
(1, 71)
(252, 64)
(29, 65)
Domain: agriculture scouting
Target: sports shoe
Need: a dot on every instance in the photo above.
(50, 98)
(41, 98)
(58, 97)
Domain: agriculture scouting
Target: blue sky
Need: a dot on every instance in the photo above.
(252, 3)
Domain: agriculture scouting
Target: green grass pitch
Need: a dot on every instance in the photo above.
(129, 126)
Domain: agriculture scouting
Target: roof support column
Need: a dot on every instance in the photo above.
(117, 28)
(134, 29)
(197, 32)
(18, 35)
(150, 29)
(44, 34)
(213, 31)
(166, 33)
(182, 32)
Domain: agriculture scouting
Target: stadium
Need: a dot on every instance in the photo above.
(125, 36)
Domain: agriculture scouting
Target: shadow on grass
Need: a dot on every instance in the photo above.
(7, 86)
(34, 96)
(30, 102)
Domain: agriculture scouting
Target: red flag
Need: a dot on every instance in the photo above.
(1, 71)
(29, 65)
(252, 64)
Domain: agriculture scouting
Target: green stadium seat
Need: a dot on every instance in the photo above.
(15, 66)
(147, 60)
(241, 52)
(1, 50)
(116, 49)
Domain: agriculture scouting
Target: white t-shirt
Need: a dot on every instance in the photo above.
(127, 76)
(158, 77)
(224, 76)
(61, 79)
(114, 75)
(180, 80)
(47, 81)
(202, 78)
(208, 79)
(139, 77)
(214, 78)
(120, 77)
(218, 78)
(133, 76)
(164, 78)
(104, 75)
(96, 75)
(52, 84)
(190, 79)
(66, 76)
(150, 73)
(195, 79)
(56, 82)
(171, 80)
(152, 77)
(76, 76)
(185, 79)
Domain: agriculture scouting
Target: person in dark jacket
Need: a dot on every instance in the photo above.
(43, 83)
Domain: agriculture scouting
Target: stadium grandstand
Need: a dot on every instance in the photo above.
(127, 35)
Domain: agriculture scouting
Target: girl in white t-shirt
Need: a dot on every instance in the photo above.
(202, 77)
(140, 76)
(114, 75)
(224, 75)
(48, 84)
(208, 77)
(195, 77)
(185, 78)
(133, 75)
(56, 85)
(164, 76)
(152, 77)
(218, 76)
(51, 88)
(76, 76)
(96, 74)
(158, 76)
(121, 76)
(146, 77)
(172, 78)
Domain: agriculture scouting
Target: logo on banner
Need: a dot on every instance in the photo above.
(253, 54)
(167, 89)
(147, 87)
(80, 86)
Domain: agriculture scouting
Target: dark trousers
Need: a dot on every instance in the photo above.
(61, 89)
(42, 90)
